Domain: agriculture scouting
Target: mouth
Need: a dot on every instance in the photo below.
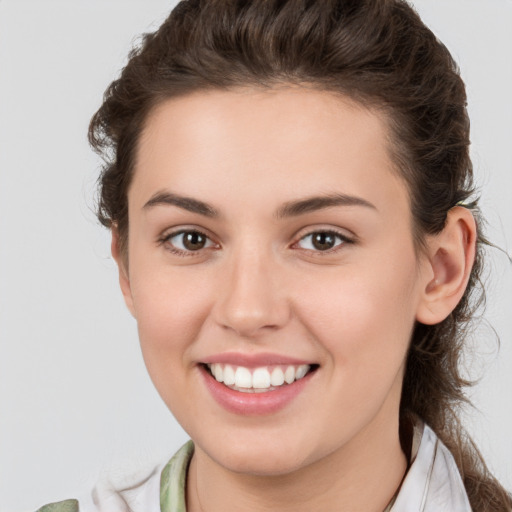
(262, 379)
(256, 384)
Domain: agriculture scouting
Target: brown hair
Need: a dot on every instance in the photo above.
(377, 52)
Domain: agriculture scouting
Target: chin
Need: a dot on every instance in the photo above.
(263, 465)
(259, 457)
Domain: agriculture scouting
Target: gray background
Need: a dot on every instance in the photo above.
(74, 396)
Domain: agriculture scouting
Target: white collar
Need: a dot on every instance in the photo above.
(433, 482)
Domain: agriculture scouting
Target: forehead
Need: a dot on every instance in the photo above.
(300, 141)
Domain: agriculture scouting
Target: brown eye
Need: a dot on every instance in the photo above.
(189, 241)
(194, 241)
(322, 241)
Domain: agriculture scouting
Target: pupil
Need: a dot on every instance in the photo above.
(323, 241)
(194, 241)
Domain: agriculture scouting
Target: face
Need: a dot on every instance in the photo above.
(272, 274)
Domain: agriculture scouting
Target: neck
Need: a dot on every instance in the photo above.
(339, 481)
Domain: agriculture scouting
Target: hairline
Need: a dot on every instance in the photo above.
(371, 104)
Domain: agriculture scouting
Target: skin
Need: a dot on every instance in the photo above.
(259, 285)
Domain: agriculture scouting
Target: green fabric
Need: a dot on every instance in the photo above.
(172, 486)
(173, 480)
(61, 506)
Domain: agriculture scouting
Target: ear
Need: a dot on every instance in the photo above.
(450, 256)
(122, 265)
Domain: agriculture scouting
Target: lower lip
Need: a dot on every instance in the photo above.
(250, 404)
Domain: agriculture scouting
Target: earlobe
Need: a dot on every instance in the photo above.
(124, 278)
(451, 254)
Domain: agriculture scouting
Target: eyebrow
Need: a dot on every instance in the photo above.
(311, 204)
(290, 209)
(186, 203)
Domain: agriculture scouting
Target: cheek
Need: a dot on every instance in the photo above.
(170, 308)
(363, 319)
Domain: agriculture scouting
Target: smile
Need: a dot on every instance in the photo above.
(257, 380)
(257, 385)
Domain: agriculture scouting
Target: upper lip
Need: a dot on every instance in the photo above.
(253, 360)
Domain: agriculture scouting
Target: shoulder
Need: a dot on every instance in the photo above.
(433, 481)
(138, 493)
(161, 489)
(61, 506)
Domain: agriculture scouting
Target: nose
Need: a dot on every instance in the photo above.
(251, 298)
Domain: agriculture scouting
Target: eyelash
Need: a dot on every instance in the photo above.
(165, 240)
(343, 240)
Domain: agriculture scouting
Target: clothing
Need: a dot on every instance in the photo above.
(432, 484)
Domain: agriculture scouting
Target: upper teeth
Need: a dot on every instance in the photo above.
(262, 378)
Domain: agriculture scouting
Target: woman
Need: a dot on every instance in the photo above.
(290, 196)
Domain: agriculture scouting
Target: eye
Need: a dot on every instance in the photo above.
(187, 241)
(322, 241)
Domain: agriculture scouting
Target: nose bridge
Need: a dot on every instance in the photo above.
(251, 298)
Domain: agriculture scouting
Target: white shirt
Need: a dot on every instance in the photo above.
(432, 484)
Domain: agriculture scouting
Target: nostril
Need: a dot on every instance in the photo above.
(249, 326)
(250, 300)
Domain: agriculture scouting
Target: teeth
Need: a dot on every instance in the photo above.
(301, 371)
(277, 377)
(243, 377)
(219, 373)
(263, 378)
(229, 375)
(289, 375)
